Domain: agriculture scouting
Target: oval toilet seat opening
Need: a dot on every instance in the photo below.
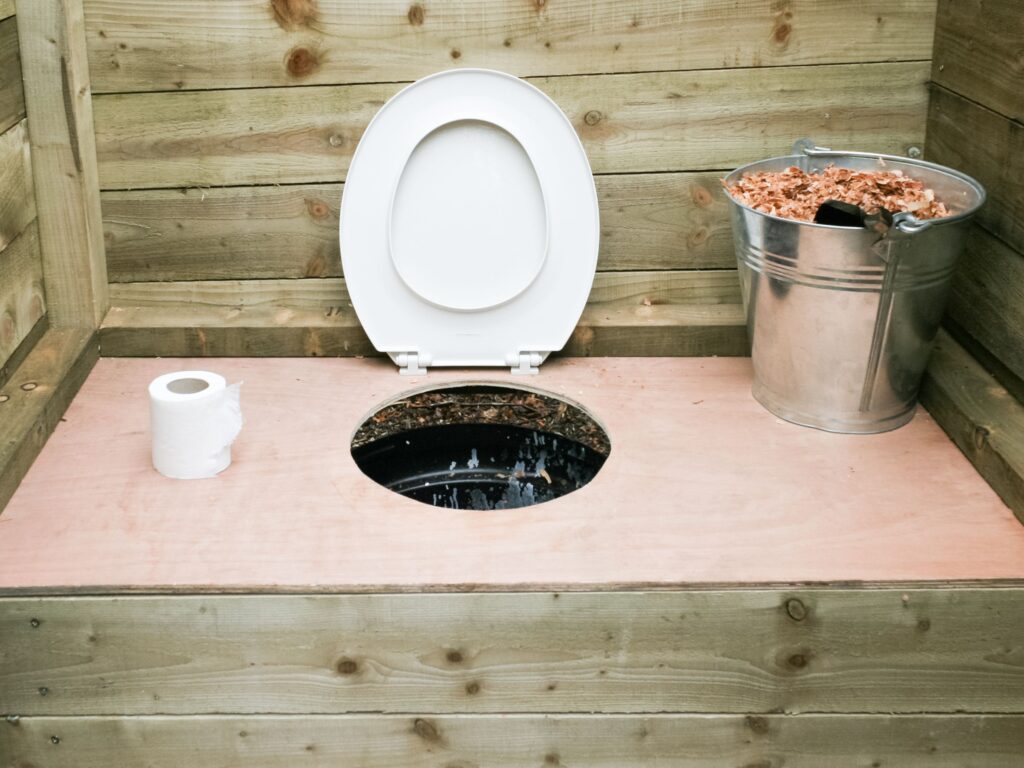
(468, 221)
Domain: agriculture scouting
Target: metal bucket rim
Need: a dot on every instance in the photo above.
(962, 216)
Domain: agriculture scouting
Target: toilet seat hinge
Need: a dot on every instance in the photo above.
(409, 364)
(528, 362)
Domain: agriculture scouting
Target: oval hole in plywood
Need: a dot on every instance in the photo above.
(481, 447)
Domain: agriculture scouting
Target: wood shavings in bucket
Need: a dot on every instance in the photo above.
(795, 194)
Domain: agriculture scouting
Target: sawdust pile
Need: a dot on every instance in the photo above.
(794, 194)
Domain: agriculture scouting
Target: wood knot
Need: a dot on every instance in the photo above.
(507, 42)
(33, 623)
(290, 14)
(473, 688)
(552, 758)
(416, 15)
(454, 657)
(924, 625)
(981, 435)
(28, 386)
(798, 660)
(346, 667)
(781, 33)
(757, 724)
(317, 208)
(426, 730)
(301, 62)
(336, 140)
(456, 53)
(699, 236)
(593, 117)
(540, 5)
(796, 610)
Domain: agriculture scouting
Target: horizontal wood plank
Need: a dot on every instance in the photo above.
(791, 651)
(12, 96)
(648, 221)
(36, 396)
(688, 312)
(981, 416)
(977, 52)
(987, 300)
(512, 741)
(987, 146)
(666, 121)
(6, 9)
(22, 299)
(17, 196)
(187, 44)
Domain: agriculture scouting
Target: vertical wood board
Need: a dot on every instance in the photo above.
(64, 160)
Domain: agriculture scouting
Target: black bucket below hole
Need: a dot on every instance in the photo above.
(481, 466)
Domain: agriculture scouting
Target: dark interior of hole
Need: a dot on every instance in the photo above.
(479, 466)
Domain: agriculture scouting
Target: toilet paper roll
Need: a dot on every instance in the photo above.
(194, 418)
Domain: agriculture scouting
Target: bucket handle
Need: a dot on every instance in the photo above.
(905, 222)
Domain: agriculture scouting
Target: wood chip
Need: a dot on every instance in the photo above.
(794, 194)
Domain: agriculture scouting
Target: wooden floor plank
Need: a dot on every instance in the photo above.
(648, 221)
(667, 121)
(187, 44)
(425, 741)
(742, 651)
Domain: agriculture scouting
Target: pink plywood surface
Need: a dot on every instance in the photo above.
(702, 486)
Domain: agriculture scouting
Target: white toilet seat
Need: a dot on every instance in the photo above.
(469, 224)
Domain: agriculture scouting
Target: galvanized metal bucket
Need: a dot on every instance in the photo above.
(842, 319)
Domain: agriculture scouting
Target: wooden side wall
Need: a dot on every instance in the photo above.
(22, 298)
(805, 677)
(53, 285)
(976, 125)
(224, 130)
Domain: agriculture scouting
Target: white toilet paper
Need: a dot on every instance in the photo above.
(194, 416)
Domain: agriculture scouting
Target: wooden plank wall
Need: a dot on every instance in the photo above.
(223, 132)
(22, 298)
(976, 124)
(907, 676)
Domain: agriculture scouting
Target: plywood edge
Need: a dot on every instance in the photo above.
(503, 741)
(984, 420)
(36, 396)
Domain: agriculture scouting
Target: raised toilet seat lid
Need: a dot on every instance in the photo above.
(469, 224)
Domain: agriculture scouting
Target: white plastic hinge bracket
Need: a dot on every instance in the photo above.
(409, 364)
(528, 362)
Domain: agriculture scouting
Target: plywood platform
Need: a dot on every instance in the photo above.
(702, 487)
